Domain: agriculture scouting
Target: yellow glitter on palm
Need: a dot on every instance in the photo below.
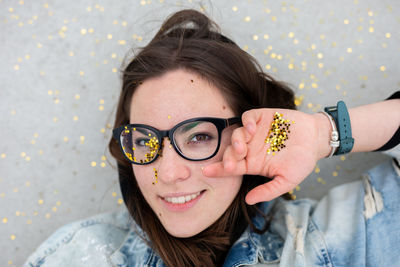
(277, 134)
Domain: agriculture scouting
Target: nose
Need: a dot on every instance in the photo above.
(172, 167)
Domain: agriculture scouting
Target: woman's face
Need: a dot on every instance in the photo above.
(163, 102)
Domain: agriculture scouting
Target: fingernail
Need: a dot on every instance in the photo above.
(250, 128)
(236, 145)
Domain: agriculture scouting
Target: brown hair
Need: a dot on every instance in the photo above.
(190, 40)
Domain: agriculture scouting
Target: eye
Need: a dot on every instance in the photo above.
(141, 141)
(200, 138)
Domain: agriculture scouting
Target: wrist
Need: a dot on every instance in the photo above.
(324, 130)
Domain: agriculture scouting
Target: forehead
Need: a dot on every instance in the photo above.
(176, 96)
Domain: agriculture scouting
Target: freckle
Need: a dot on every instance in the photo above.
(191, 80)
(159, 214)
(223, 107)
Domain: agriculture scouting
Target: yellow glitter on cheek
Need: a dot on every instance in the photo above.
(277, 134)
(155, 176)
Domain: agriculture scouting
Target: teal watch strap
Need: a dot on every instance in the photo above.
(342, 119)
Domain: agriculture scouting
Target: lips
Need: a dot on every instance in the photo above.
(181, 202)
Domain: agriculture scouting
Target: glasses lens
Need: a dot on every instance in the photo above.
(197, 140)
(140, 145)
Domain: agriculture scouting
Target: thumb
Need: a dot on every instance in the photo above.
(270, 190)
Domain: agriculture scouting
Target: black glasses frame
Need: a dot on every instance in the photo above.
(220, 123)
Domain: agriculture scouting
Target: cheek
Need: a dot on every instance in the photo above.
(143, 179)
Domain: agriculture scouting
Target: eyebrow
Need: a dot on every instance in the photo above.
(189, 126)
(143, 131)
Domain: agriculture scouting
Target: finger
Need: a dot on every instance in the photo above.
(230, 158)
(217, 169)
(240, 137)
(250, 119)
(268, 191)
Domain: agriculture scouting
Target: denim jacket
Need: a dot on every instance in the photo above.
(355, 224)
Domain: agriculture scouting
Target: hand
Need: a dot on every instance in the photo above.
(248, 154)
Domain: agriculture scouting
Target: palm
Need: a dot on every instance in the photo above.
(289, 166)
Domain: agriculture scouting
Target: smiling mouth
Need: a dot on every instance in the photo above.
(182, 199)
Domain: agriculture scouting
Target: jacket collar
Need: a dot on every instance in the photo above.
(248, 249)
(251, 247)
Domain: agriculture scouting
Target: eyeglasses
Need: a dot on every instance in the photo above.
(194, 139)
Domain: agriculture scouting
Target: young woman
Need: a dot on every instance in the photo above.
(206, 143)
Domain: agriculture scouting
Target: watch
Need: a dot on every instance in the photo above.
(342, 119)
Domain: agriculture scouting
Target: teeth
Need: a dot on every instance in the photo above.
(182, 199)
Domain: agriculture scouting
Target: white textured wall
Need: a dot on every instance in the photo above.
(59, 83)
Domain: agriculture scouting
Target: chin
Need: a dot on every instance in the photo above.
(183, 231)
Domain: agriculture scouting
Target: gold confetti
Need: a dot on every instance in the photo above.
(388, 35)
(109, 36)
(335, 173)
(247, 18)
(93, 164)
(235, 8)
(317, 169)
(5, 220)
(12, 237)
(349, 50)
(3, 155)
(382, 68)
(40, 201)
(120, 201)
